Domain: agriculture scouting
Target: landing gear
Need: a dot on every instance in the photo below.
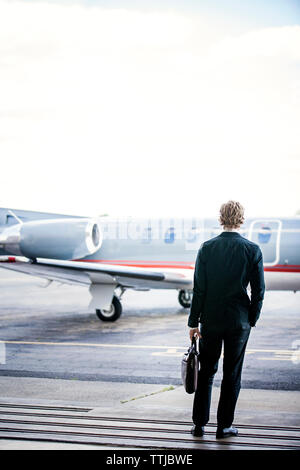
(185, 298)
(113, 313)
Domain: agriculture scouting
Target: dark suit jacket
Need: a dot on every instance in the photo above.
(224, 267)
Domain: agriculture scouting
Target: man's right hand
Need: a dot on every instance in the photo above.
(195, 332)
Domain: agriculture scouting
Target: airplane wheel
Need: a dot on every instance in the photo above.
(113, 313)
(185, 298)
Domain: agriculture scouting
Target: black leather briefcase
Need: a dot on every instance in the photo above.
(190, 367)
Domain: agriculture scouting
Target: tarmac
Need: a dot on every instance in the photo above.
(268, 418)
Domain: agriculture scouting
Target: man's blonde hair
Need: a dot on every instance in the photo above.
(231, 214)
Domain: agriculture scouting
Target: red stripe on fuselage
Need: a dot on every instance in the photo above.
(281, 269)
(294, 268)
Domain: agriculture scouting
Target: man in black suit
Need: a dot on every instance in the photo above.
(225, 265)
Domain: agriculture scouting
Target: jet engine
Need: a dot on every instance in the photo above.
(70, 238)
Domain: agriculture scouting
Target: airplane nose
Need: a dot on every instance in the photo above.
(10, 239)
(11, 235)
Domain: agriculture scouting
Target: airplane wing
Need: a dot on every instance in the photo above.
(75, 238)
(86, 273)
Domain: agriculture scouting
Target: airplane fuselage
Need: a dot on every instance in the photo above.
(172, 243)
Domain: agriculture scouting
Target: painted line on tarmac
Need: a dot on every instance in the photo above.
(170, 349)
(97, 345)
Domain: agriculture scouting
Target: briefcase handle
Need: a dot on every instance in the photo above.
(194, 344)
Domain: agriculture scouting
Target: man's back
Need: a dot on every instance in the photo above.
(224, 267)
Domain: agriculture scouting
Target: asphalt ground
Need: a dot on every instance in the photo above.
(49, 332)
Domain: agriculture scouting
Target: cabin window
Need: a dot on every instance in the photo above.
(264, 234)
(170, 235)
(192, 234)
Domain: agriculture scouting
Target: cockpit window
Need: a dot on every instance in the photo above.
(10, 220)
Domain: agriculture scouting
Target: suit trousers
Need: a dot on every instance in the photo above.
(234, 341)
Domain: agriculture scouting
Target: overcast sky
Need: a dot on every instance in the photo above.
(150, 108)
